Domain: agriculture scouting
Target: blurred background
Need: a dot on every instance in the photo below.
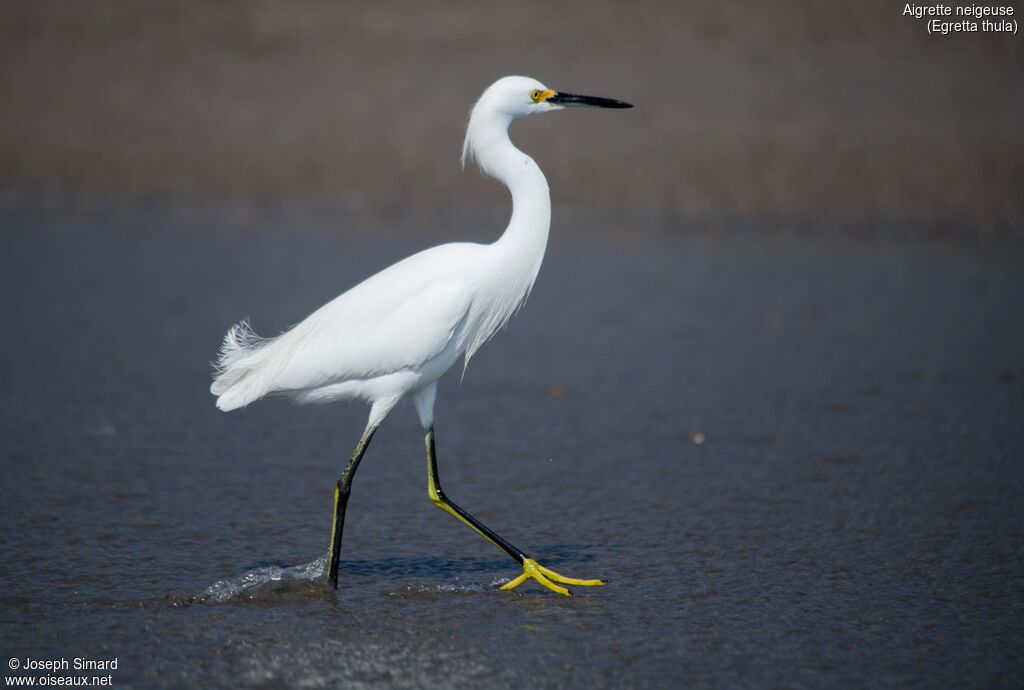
(769, 381)
(845, 112)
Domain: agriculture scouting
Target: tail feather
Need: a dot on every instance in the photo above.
(237, 372)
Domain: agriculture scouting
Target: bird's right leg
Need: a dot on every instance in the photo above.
(531, 568)
(424, 401)
(341, 494)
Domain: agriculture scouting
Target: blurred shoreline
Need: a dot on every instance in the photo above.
(795, 114)
(571, 224)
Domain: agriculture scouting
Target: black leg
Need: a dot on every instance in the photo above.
(438, 498)
(341, 494)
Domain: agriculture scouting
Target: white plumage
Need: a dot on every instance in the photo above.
(398, 331)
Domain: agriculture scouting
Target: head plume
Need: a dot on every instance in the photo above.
(503, 102)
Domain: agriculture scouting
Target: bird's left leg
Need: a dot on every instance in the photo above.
(531, 568)
(341, 493)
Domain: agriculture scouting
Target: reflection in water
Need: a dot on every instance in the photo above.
(270, 579)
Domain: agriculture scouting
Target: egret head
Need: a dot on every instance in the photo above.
(511, 98)
(515, 97)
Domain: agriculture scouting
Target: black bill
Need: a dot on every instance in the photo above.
(570, 100)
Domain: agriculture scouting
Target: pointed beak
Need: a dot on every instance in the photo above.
(571, 100)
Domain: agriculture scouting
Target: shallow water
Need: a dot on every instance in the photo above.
(852, 518)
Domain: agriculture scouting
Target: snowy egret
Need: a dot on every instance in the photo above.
(396, 333)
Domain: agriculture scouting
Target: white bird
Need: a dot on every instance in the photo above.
(396, 333)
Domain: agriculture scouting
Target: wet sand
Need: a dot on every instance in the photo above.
(829, 112)
(852, 518)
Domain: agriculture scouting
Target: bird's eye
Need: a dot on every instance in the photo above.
(535, 95)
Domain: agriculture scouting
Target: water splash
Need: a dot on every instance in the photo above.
(273, 577)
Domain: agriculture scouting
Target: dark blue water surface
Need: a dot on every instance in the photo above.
(852, 518)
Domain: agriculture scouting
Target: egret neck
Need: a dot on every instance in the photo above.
(518, 253)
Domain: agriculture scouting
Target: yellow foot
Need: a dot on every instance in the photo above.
(548, 578)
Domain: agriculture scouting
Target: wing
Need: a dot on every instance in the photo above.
(368, 333)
